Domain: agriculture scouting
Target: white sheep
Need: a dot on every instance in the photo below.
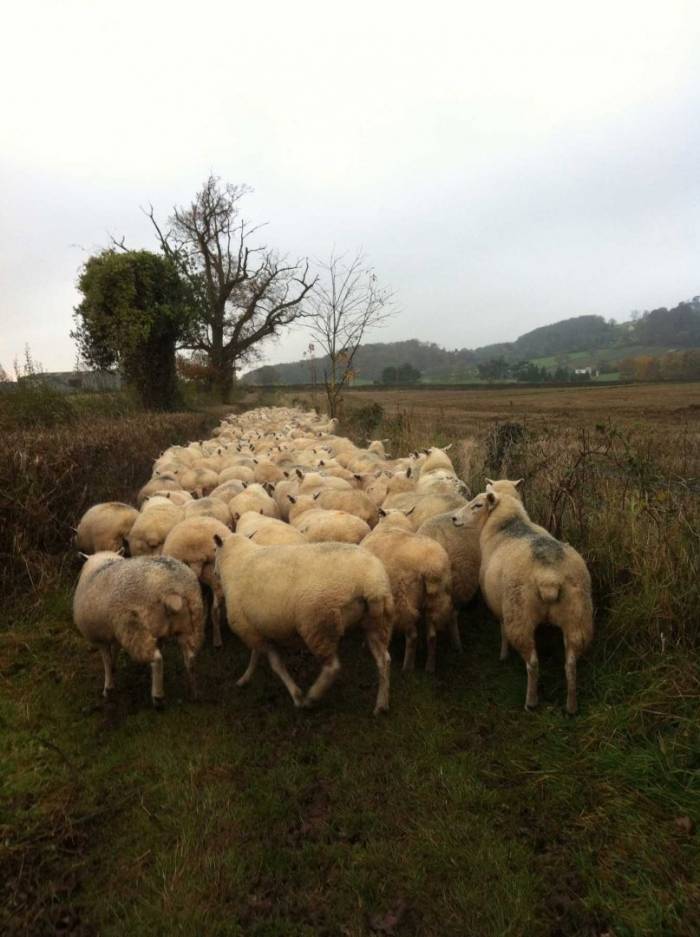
(421, 583)
(136, 604)
(209, 507)
(158, 485)
(319, 525)
(315, 590)
(267, 531)
(529, 578)
(151, 528)
(192, 542)
(104, 527)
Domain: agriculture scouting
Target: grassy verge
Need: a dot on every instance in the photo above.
(458, 814)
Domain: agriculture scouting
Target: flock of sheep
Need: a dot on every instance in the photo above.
(287, 529)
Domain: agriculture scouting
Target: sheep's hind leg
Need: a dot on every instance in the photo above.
(432, 642)
(188, 656)
(409, 657)
(455, 638)
(216, 612)
(528, 652)
(157, 692)
(324, 681)
(504, 643)
(570, 670)
(250, 670)
(277, 665)
(108, 664)
(383, 661)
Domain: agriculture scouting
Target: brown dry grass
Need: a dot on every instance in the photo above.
(657, 403)
(49, 477)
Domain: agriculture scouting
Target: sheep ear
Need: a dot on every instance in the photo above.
(447, 447)
(300, 474)
(218, 541)
(121, 551)
(124, 546)
(83, 556)
(519, 482)
(386, 440)
(245, 484)
(358, 477)
(292, 499)
(250, 536)
(492, 499)
(321, 462)
(408, 513)
(286, 474)
(317, 495)
(382, 512)
(489, 481)
(408, 471)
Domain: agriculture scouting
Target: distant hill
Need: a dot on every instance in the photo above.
(585, 338)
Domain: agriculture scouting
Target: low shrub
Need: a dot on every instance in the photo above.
(50, 476)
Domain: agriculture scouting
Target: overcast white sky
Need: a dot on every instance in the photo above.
(503, 164)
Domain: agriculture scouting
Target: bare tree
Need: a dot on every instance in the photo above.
(242, 293)
(344, 304)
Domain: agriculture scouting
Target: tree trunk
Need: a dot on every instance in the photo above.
(155, 374)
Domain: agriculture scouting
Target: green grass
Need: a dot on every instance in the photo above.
(457, 814)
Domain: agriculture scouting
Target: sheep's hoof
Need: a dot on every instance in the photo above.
(158, 703)
(503, 655)
(530, 707)
(571, 710)
(381, 710)
(306, 702)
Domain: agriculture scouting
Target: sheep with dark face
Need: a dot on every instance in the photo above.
(137, 604)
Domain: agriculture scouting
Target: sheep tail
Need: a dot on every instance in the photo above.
(548, 586)
(381, 615)
(438, 600)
